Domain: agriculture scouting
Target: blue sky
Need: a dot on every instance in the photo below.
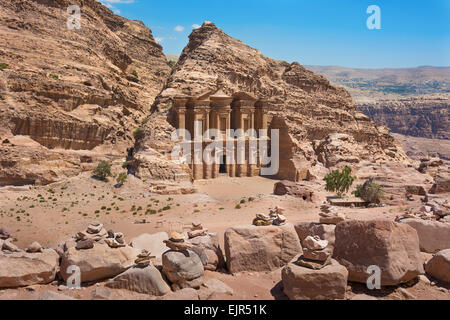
(313, 32)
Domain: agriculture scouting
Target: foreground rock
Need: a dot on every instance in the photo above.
(25, 269)
(146, 280)
(183, 268)
(208, 249)
(98, 263)
(251, 248)
(433, 235)
(439, 266)
(302, 283)
(392, 246)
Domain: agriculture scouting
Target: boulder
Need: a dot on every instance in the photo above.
(293, 189)
(147, 280)
(183, 268)
(328, 283)
(98, 263)
(24, 269)
(252, 248)
(208, 249)
(323, 231)
(433, 235)
(393, 247)
(153, 243)
(439, 266)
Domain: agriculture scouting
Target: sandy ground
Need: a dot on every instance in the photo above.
(54, 213)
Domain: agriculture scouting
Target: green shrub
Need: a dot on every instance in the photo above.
(53, 76)
(125, 165)
(3, 66)
(371, 192)
(357, 192)
(122, 178)
(339, 181)
(134, 73)
(171, 63)
(103, 170)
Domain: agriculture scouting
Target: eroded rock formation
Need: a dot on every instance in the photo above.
(81, 89)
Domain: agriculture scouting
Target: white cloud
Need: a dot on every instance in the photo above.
(179, 29)
(109, 4)
(196, 26)
(159, 39)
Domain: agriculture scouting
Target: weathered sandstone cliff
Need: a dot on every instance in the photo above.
(85, 89)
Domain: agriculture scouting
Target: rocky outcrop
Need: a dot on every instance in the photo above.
(304, 106)
(84, 89)
(252, 248)
(24, 269)
(391, 246)
(419, 116)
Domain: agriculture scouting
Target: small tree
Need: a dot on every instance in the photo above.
(371, 192)
(103, 170)
(121, 178)
(338, 181)
(171, 63)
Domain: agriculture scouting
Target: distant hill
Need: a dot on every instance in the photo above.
(420, 80)
(413, 101)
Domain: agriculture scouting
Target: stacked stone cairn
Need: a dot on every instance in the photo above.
(330, 215)
(275, 217)
(143, 259)
(197, 230)
(316, 255)
(95, 232)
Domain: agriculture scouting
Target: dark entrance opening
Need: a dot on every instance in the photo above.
(223, 164)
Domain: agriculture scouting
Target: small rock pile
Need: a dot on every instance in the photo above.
(275, 218)
(330, 215)
(177, 242)
(316, 255)
(143, 259)
(435, 210)
(95, 232)
(197, 230)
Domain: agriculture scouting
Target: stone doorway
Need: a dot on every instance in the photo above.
(223, 164)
